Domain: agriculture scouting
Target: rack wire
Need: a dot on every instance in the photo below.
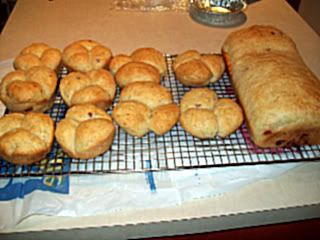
(175, 150)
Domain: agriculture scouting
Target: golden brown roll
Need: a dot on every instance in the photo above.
(38, 54)
(143, 65)
(85, 132)
(204, 116)
(31, 90)
(279, 94)
(96, 87)
(137, 72)
(151, 56)
(229, 116)
(202, 98)
(25, 138)
(200, 123)
(117, 62)
(133, 117)
(195, 69)
(86, 55)
(151, 94)
(144, 107)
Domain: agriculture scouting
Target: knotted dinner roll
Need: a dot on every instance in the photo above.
(86, 131)
(150, 56)
(96, 87)
(117, 62)
(204, 116)
(229, 116)
(145, 106)
(137, 72)
(195, 69)
(38, 54)
(30, 90)
(25, 138)
(143, 65)
(86, 55)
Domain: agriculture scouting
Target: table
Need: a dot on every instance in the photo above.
(292, 196)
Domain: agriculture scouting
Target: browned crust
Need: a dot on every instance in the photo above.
(89, 140)
(26, 138)
(279, 94)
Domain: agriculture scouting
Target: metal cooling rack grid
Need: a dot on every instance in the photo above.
(175, 150)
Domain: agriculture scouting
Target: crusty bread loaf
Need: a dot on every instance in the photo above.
(96, 87)
(30, 90)
(204, 116)
(195, 69)
(38, 54)
(86, 55)
(25, 138)
(145, 106)
(85, 132)
(279, 94)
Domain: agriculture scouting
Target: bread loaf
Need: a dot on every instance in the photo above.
(25, 138)
(279, 94)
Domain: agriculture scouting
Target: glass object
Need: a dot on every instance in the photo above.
(220, 13)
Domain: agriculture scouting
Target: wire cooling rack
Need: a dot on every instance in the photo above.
(175, 150)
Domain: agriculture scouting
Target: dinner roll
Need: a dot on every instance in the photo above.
(38, 54)
(143, 65)
(30, 90)
(86, 131)
(200, 123)
(144, 107)
(197, 116)
(117, 62)
(202, 98)
(229, 116)
(133, 117)
(204, 116)
(25, 138)
(136, 72)
(86, 55)
(96, 87)
(151, 56)
(195, 69)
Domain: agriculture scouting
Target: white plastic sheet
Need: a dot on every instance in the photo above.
(91, 195)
